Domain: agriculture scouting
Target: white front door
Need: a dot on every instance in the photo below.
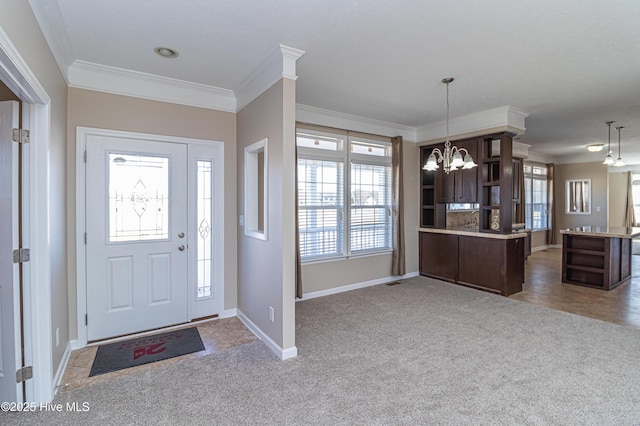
(10, 352)
(137, 235)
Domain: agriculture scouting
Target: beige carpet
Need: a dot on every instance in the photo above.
(423, 352)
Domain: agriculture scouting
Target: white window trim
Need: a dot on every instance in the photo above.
(348, 158)
(540, 177)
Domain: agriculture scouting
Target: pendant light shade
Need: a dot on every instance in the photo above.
(609, 159)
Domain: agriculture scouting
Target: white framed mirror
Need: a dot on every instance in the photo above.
(578, 196)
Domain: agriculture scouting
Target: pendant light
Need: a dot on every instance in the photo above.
(609, 159)
(451, 157)
(619, 162)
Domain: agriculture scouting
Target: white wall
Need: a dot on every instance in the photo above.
(18, 22)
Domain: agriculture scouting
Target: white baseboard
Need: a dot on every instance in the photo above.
(356, 286)
(57, 379)
(281, 353)
(229, 313)
(75, 345)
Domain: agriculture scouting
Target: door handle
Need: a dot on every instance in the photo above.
(181, 247)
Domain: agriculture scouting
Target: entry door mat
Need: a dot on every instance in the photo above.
(144, 350)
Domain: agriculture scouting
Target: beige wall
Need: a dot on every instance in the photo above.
(329, 275)
(6, 94)
(597, 172)
(18, 22)
(617, 198)
(107, 111)
(266, 268)
(538, 239)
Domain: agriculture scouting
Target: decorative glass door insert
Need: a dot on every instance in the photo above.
(138, 197)
(204, 221)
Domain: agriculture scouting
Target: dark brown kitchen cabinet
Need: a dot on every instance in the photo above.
(439, 255)
(460, 186)
(490, 264)
(597, 260)
(494, 265)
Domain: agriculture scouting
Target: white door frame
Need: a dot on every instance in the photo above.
(17, 76)
(217, 227)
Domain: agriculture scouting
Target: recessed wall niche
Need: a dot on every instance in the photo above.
(256, 190)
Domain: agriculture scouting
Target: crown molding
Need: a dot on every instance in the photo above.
(17, 75)
(281, 63)
(290, 56)
(340, 120)
(51, 23)
(508, 118)
(87, 75)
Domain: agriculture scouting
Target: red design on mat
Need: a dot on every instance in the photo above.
(148, 350)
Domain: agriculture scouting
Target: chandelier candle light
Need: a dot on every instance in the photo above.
(451, 157)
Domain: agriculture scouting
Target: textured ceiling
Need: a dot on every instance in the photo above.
(571, 64)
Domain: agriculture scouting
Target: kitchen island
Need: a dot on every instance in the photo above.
(597, 256)
(487, 261)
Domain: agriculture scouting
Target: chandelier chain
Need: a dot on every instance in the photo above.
(447, 143)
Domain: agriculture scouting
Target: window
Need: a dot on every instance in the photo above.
(343, 212)
(635, 185)
(536, 197)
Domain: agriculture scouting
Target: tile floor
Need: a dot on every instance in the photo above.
(216, 335)
(543, 286)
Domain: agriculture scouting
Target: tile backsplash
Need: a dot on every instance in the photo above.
(463, 219)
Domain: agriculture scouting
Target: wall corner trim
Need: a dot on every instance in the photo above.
(280, 352)
(63, 366)
(229, 313)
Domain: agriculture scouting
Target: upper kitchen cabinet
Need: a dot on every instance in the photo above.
(460, 186)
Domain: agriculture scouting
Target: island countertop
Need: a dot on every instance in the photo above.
(475, 233)
(603, 231)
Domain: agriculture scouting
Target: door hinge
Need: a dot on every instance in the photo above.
(84, 156)
(21, 135)
(21, 255)
(86, 319)
(23, 374)
(85, 238)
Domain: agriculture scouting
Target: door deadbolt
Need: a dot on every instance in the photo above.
(181, 235)
(181, 247)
